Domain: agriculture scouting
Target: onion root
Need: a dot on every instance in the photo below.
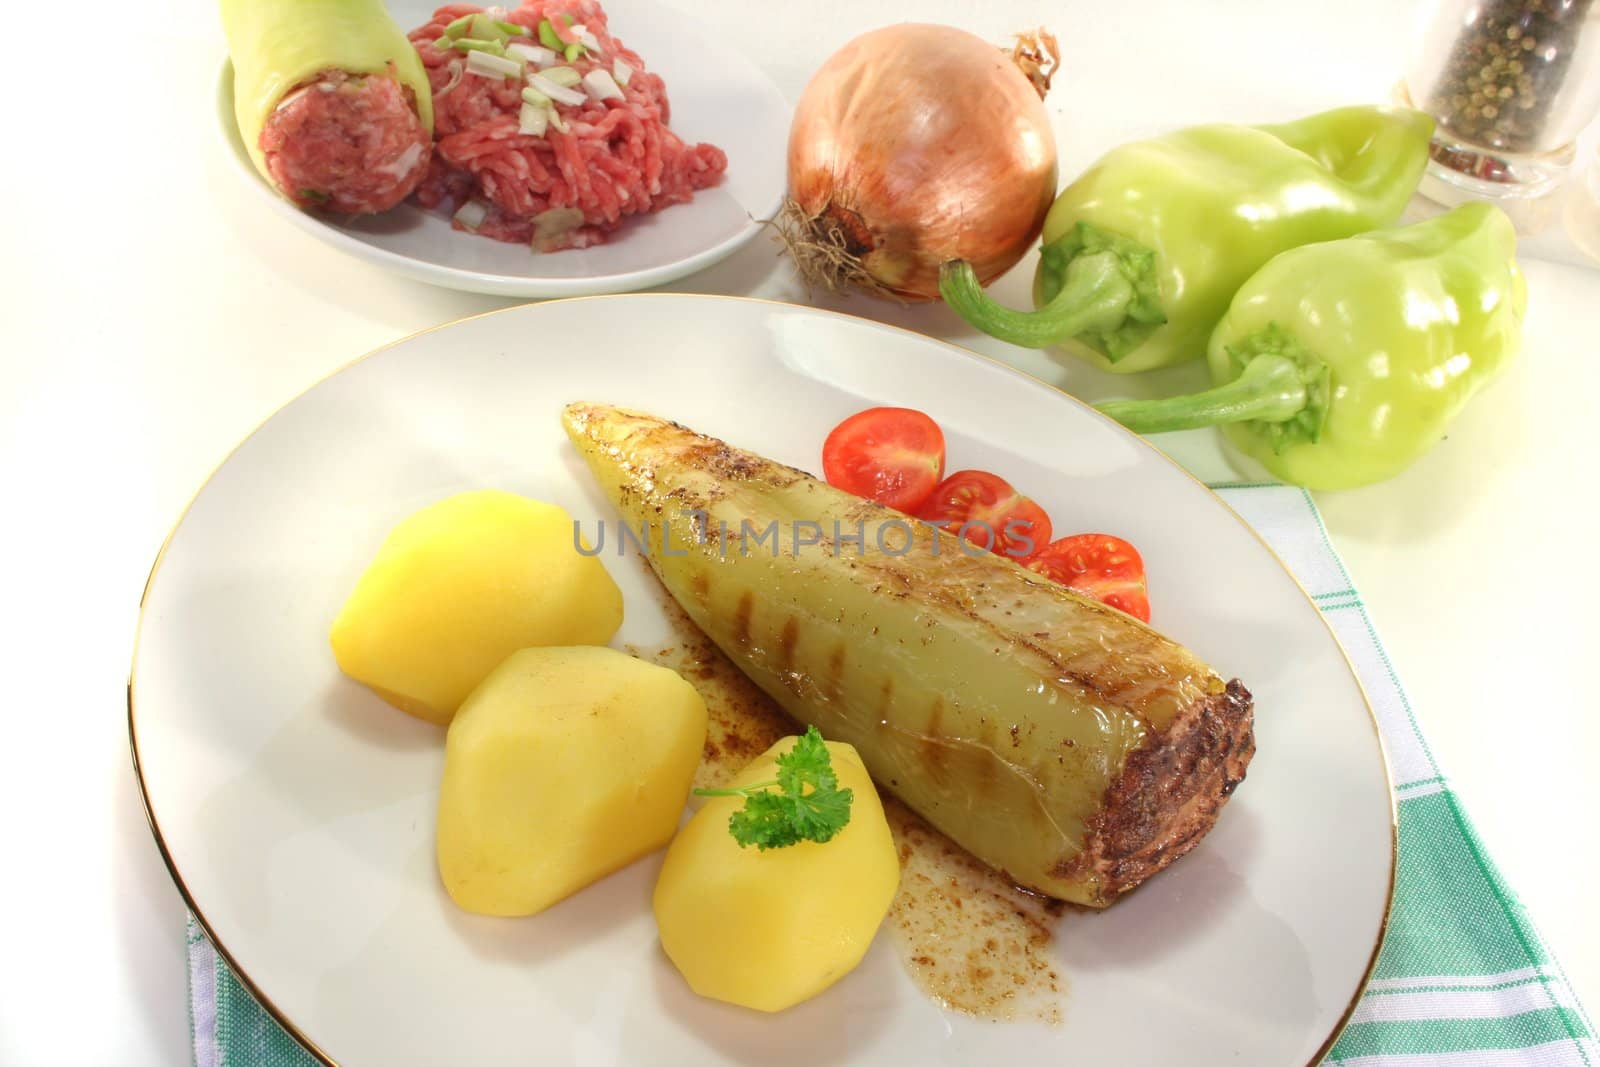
(829, 247)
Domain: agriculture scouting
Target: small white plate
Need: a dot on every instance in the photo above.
(296, 810)
(717, 95)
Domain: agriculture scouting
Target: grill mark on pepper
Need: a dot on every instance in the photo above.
(989, 769)
(934, 753)
(787, 640)
(741, 618)
(835, 671)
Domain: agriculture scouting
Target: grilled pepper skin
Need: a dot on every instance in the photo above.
(1339, 364)
(1058, 740)
(275, 45)
(1188, 217)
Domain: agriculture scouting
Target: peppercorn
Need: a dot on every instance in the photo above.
(1503, 71)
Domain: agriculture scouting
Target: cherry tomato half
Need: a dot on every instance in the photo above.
(894, 456)
(987, 511)
(1100, 566)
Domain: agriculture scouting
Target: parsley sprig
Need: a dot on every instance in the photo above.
(803, 803)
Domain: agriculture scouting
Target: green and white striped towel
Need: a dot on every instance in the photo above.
(1463, 979)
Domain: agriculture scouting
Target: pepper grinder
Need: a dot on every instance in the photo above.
(1511, 84)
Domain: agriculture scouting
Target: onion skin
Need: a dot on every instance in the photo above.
(917, 144)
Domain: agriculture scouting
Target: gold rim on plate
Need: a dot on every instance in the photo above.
(283, 1020)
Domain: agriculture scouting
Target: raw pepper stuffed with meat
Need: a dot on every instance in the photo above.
(1339, 364)
(331, 99)
(1142, 253)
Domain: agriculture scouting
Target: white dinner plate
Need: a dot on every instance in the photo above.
(296, 810)
(717, 95)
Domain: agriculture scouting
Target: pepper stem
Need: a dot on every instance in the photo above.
(1271, 388)
(1095, 295)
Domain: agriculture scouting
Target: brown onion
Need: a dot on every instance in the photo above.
(915, 144)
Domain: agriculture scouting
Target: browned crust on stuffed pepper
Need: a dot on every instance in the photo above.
(1169, 794)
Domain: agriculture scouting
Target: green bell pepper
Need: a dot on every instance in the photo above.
(1338, 364)
(1142, 253)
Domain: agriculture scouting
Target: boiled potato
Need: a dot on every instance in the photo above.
(564, 765)
(768, 929)
(459, 586)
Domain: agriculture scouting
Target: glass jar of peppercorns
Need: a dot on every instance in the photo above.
(1512, 83)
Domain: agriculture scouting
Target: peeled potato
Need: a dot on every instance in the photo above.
(768, 929)
(459, 586)
(564, 765)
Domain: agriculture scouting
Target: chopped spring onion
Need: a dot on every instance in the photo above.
(574, 52)
(471, 214)
(621, 70)
(513, 28)
(568, 19)
(559, 94)
(563, 76)
(533, 120)
(491, 66)
(444, 44)
(535, 97)
(600, 85)
(549, 38)
(552, 225)
(538, 55)
(479, 44)
(585, 38)
(487, 28)
(557, 123)
(459, 27)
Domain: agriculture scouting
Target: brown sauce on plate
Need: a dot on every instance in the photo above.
(970, 940)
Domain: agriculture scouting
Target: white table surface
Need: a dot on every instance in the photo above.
(152, 312)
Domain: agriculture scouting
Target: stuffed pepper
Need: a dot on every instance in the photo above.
(332, 101)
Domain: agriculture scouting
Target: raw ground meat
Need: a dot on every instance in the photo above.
(616, 159)
(344, 143)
